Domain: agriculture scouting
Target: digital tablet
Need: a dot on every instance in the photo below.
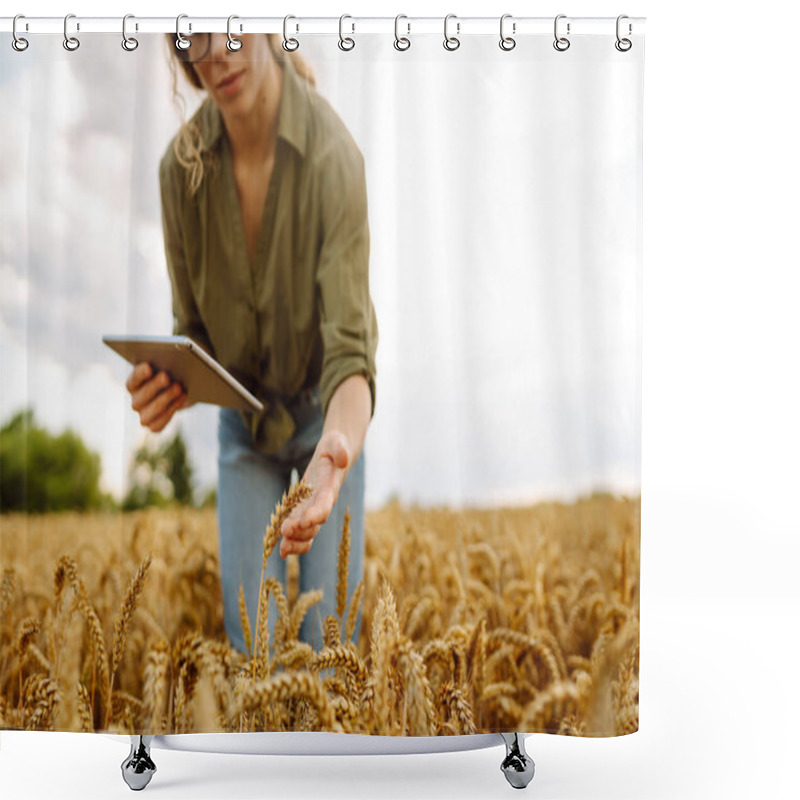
(204, 379)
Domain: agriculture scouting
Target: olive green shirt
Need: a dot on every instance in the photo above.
(300, 314)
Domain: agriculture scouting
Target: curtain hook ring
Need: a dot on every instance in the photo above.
(345, 42)
(401, 42)
(233, 44)
(181, 42)
(507, 42)
(623, 45)
(129, 43)
(561, 43)
(289, 44)
(451, 42)
(71, 43)
(18, 43)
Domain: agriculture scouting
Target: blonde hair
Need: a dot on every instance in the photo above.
(188, 144)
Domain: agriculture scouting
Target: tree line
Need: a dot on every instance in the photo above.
(42, 472)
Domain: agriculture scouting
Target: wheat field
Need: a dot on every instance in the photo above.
(473, 621)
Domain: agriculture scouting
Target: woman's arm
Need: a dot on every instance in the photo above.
(187, 320)
(339, 447)
(155, 396)
(349, 335)
(349, 414)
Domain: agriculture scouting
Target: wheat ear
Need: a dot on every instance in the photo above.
(245, 620)
(123, 619)
(299, 492)
(342, 564)
(352, 612)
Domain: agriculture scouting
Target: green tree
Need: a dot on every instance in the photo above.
(160, 476)
(209, 498)
(40, 472)
(179, 470)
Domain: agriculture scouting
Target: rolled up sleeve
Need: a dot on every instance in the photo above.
(186, 317)
(347, 316)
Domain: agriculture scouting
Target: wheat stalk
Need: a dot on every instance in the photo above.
(123, 620)
(296, 655)
(67, 571)
(85, 709)
(6, 591)
(455, 708)
(245, 620)
(547, 709)
(418, 711)
(519, 615)
(261, 667)
(296, 494)
(154, 691)
(281, 632)
(304, 602)
(385, 635)
(342, 566)
(352, 612)
(344, 656)
(285, 686)
(332, 634)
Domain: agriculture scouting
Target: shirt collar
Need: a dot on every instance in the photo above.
(293, 113)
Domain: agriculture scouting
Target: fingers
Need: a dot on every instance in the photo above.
(302, 548)
(159, 423)
(157, 413)
(301, 522)
(299, 546)
(304, 533)
(156, 398)
(141, 372)
(146, 391)
(325, 474)
(318, 513)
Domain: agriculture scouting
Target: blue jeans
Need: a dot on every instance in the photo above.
(250, 486)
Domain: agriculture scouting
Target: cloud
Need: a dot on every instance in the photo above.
(504, 282)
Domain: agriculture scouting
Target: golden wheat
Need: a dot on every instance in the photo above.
(342, 564)
(290, 500)
(124, 617)
(472, 620)
(245, 620)
(352, 612)
(156, 672)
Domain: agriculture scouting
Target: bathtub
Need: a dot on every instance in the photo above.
(138, 768)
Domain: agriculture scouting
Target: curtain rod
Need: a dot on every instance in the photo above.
(324, 25)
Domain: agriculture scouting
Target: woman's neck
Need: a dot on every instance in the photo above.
(253, 134)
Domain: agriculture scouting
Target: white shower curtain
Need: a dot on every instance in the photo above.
(504, 197)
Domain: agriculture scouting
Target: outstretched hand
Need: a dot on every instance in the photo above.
(325, 475)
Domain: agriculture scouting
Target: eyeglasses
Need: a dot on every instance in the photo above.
(197, 50)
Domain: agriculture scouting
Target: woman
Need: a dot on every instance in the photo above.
(264, 213)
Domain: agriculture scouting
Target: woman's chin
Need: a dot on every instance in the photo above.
(231, 96)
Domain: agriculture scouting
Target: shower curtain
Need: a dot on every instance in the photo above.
(486, 301)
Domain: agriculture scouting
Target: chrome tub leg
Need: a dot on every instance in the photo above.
(138, 768)
(517, 766)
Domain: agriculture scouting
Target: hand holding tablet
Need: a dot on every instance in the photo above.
(154, 396)
(172, 372)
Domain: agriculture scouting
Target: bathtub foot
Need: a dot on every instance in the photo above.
(517, 766)
(138, 767)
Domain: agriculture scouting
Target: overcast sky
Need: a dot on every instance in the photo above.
(504, 208)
